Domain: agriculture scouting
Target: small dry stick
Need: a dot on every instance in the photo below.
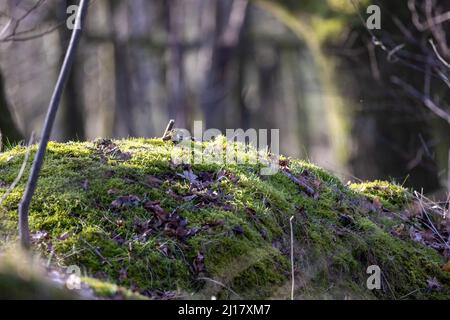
(97, 252)
(292, 258)
(168, 129)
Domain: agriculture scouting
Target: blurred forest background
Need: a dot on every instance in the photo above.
(365, 104)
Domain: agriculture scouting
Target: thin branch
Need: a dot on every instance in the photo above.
(50, 119)
(16, 38)
(438, 55)
(31, 33)
(431, 226)
(426, 100)
(16, 23)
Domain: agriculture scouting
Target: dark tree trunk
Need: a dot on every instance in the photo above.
(123, 121)
(230, 17)
(72, 115)
(175, 71)
(8, 129)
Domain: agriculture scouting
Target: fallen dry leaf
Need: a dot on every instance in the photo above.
(238, 230)
(190, 176)
(39, 236)
(109, 174)
(153, 181)
(125, 202)
(446, 267)
(284, 163)
(199, 263)
(112, 192)
(434, 284)
(377, 203)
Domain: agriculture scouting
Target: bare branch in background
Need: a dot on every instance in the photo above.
(430, 62)
(421, 97)
(28, 34)
(14, 24)
(50, 119)
(438, 55)
(22, 36)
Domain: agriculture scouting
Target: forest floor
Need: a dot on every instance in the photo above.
(138, 225)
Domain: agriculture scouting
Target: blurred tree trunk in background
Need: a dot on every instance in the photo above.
(123, 121)
(230, 18)
(175, 79)
(9, 132)
(72, 113)
(240, 85)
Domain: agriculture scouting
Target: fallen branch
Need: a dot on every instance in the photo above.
(24, 205)
(310, 191)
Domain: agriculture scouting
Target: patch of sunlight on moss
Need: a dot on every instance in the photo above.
(392, 196)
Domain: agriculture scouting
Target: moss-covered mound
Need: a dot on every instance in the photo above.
(126, 214)
(25, 276)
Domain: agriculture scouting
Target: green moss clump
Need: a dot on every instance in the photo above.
(391, 195)
(131, 218)
(106, 290)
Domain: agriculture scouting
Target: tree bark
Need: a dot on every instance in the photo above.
(9, 133)
(72, 115)
(230, 21)
(123, 117)
(175, 79)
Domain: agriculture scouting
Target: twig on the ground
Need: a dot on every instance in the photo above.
(168, 129)
(97, 252)
(430, 224)
(310, 191)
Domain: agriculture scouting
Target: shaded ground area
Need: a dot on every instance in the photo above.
(134, 221)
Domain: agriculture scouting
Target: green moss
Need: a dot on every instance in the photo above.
(391, 195)
(108, 290)
(239, 220)
(22, 278)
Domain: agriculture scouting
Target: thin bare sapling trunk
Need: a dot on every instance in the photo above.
(24, 205)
